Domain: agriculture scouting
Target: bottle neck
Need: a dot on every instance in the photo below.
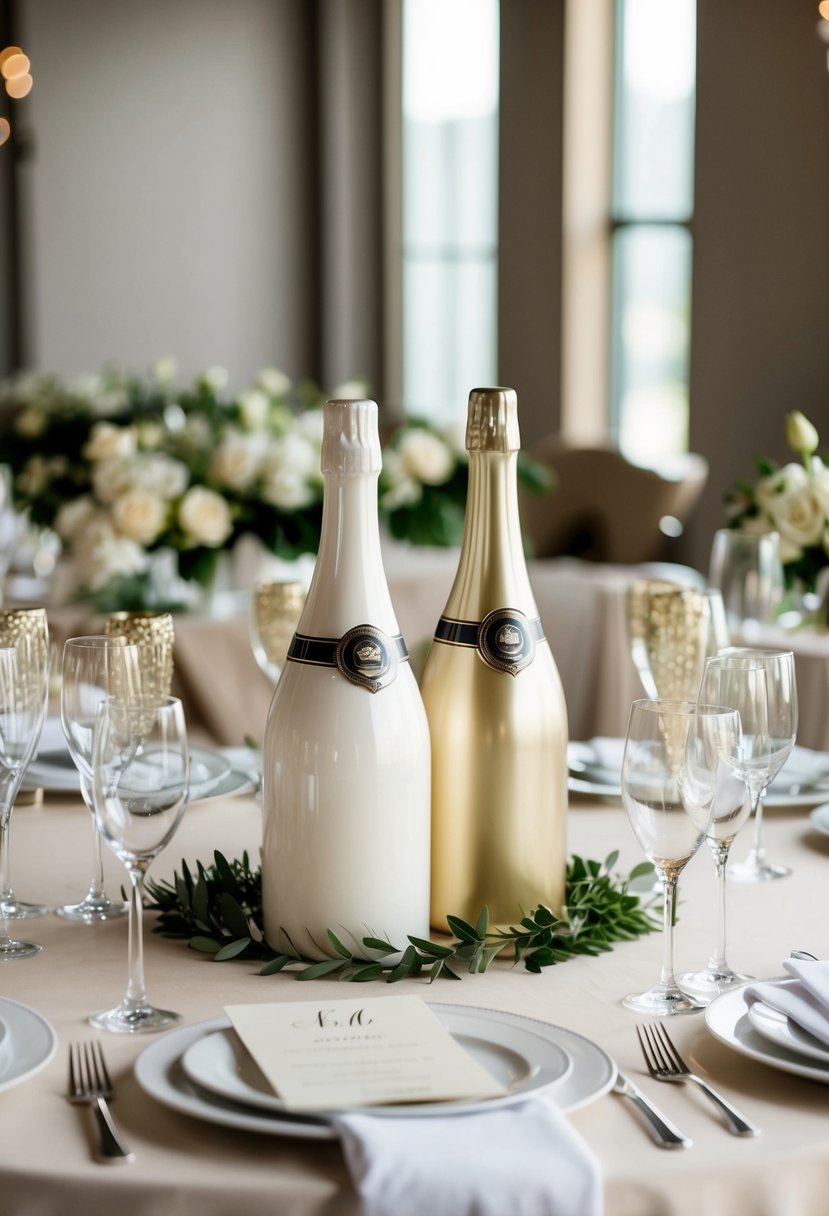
(349, 585)
(492, 571)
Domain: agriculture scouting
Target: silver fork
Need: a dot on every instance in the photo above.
(664, 1063)
(90, 1085)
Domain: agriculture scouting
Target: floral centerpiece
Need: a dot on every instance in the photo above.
(133, 471)
(792, 500)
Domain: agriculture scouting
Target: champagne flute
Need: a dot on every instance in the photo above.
(671, 629)
(140, 784)
(26, 631)
(748, 571)
(671, 772)
(95, 668)
(275, 610)
(154, 635)
(24, 681)
(761, 685)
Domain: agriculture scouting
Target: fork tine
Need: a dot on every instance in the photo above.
(643, 1043)
(661, 1063)
(103, 1071)
(669, 1046)
(92, 1068)
(73, 1081)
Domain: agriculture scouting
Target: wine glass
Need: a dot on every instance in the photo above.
(26, 631)
(748, 571)
(275, 610)
(761, 685)
(154, 635)
(24, 681)
(671, 772)
(140, 769)
(95, 668)
(671, 629)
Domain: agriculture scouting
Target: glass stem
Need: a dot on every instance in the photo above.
(136, 992)
(666, 977)
(5, 834)
(718, 962)
(96, 886)
(757, 849)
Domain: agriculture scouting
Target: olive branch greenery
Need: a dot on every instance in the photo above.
(219, 911)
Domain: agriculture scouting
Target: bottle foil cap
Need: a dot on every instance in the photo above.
(492, 421)
(351, 441)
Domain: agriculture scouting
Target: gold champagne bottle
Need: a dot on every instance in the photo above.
(495, 704)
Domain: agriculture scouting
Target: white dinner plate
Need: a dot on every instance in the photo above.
(55, 770)
(28, 1044)
(820, 818)
(774, 1025)
(523, 1060)
(506, 1038)
(728, 1018)
(802, 781)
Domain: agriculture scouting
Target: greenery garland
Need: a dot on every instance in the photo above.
(219, 911)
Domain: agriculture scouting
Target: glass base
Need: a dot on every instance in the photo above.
(11, 949)
(17, 909)
(755, 869)
(92, 910)
(128, 1018)
(662, 1002)
(708, 984)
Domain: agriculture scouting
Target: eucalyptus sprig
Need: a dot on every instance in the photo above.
(219, 911)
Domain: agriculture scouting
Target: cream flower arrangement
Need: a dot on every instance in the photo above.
(792, 500)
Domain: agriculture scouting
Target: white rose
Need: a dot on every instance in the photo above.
(215, 378)
(801, 435)
(138, 515)
(31, 422)
(111, 478)
(73, 516)
(820, 484)
(100, 555)
(205, 517)
(273, 382)
(150, 435)
(254, 406)
(237, 461)
(400, 490)
(770, 489)
(310, 423)
(286, 489)
(295, 452)
(159, 474)
(164, 370)
(425, 456)
(107, 441)
(798, 517)
(350, 390)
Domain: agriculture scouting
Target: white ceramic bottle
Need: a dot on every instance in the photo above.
(495, 705)
(346, 762)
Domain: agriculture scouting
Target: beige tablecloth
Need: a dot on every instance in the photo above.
(195, 1169)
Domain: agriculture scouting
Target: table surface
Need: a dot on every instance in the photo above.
(198, 1169)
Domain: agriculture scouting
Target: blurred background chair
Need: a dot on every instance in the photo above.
(603, 508)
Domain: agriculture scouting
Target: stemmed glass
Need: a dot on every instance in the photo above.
(95, 668)
(761, 685)
(26, 631)
(154, 635)
(140, 785)
(671, 772)
(275, 609)
(671, 630)
(24, 682)
(748, 571)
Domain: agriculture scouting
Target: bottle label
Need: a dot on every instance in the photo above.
(365, 655)
(505, 639)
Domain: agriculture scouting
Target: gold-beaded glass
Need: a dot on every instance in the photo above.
(154, 634)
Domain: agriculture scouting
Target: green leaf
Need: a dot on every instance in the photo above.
(205, 945)
(432, 948)
(482, 923)
(337, 944)
(319, 969)
(462, 929)
(276, 964)
(233, 916)
(377, 943)
(232, 949)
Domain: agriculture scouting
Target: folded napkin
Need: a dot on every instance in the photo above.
(804, 998)
(521, 1160)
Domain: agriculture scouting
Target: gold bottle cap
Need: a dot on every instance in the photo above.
(351, 440)
(492, 421)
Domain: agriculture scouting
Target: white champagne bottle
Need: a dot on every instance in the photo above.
(346, 762)
(495, 704)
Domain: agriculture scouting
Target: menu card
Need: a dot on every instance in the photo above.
(369, 1051)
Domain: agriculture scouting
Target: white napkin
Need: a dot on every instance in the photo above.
(521, 1160)
(804, 998)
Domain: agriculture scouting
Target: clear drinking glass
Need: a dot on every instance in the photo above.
(26, 630)
(24, 682)
(140, 784)
(95, 668)
(761, 685)
(275, 609)
(749, 573)
(671, 629)
(673, 766)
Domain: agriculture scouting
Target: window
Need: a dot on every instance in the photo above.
(652, 204)
(449, 203)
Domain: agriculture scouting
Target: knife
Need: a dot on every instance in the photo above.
(662, 1131)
